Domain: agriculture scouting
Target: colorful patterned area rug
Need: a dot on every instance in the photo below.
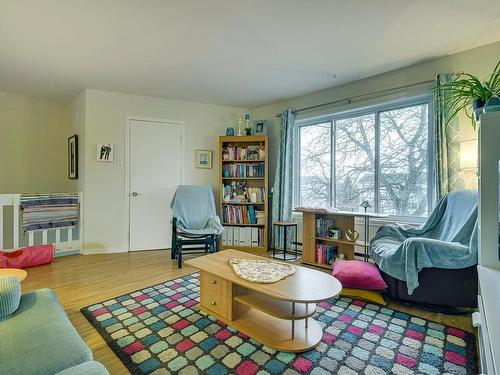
(159, 330)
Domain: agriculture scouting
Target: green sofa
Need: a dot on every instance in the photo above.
(39, 339)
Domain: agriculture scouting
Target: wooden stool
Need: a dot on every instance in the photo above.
(285, 225)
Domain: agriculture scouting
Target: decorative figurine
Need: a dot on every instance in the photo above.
(334, 233)
(248, 127)
(262, 152)
(231, 152)
(239, 122)
(351, 235)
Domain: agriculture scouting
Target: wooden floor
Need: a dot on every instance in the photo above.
(81, 280)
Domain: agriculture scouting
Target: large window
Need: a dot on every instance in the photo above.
(379, 154)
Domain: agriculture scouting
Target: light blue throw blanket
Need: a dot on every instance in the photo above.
(448, 239)
(194, 208)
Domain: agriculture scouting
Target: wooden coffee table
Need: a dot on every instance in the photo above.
(277, 315)
(20, 274)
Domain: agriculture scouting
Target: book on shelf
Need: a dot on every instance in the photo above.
(236, 236)
(234, 214)
(322, 226)
(260, 217)
(326, 254)
(251, 194)
(237, 152)
(243, 236)
(243, 170)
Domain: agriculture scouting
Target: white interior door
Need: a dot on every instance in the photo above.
(155, 171)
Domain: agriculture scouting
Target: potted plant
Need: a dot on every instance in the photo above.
(248, 129)
(467, 93)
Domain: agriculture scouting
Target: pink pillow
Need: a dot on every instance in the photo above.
(358, 275)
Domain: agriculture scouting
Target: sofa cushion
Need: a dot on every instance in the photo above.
(38, 339)
(87, 368)
(358, 275)
(10, 295)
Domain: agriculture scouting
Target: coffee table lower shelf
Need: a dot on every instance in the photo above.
(273, 332)
(278, 315)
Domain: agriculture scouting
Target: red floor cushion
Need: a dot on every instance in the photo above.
(27, 256)
(358, 275)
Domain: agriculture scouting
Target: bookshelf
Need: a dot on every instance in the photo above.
(343, 220)
(239, 172)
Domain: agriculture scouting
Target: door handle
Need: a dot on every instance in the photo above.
(134, 194)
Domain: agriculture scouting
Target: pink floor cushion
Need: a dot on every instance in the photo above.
(27, 256)
(358, 275)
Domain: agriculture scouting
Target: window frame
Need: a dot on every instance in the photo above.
(375, 110)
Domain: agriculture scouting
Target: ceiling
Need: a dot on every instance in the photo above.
(232, 52)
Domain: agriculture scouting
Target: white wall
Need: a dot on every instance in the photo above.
(33, 145)
(104, 211)
(33, 149)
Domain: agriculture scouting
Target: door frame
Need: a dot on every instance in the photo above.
(166, 122)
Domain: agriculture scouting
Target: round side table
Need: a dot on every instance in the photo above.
(20, 274)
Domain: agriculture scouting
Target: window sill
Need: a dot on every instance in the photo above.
(380, 221)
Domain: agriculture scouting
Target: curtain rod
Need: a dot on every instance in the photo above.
(349, 100)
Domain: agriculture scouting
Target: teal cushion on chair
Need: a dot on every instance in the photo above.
(10, 295)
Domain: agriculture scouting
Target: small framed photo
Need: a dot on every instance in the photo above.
(260, 127)
(73, 157)
(105, 152)
(203, 159)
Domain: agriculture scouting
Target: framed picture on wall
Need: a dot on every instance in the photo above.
(260, 127)
(203, 159)
(105, 152)
(73, 157)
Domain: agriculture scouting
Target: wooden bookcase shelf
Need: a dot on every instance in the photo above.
(242, 203)
(242, 225)
(343, 220)
(243, 178)
(241, 161)
(275, 307)
(255, 182)
(345, 242)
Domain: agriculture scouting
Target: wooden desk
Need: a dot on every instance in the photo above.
(344, 220)
(277, 315)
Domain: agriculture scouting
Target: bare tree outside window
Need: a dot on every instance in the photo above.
(402, 158)
(315, 164)
(354, 161)
(403, 161)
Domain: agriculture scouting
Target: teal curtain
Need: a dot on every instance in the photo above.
(448, 174)
(283, 180)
